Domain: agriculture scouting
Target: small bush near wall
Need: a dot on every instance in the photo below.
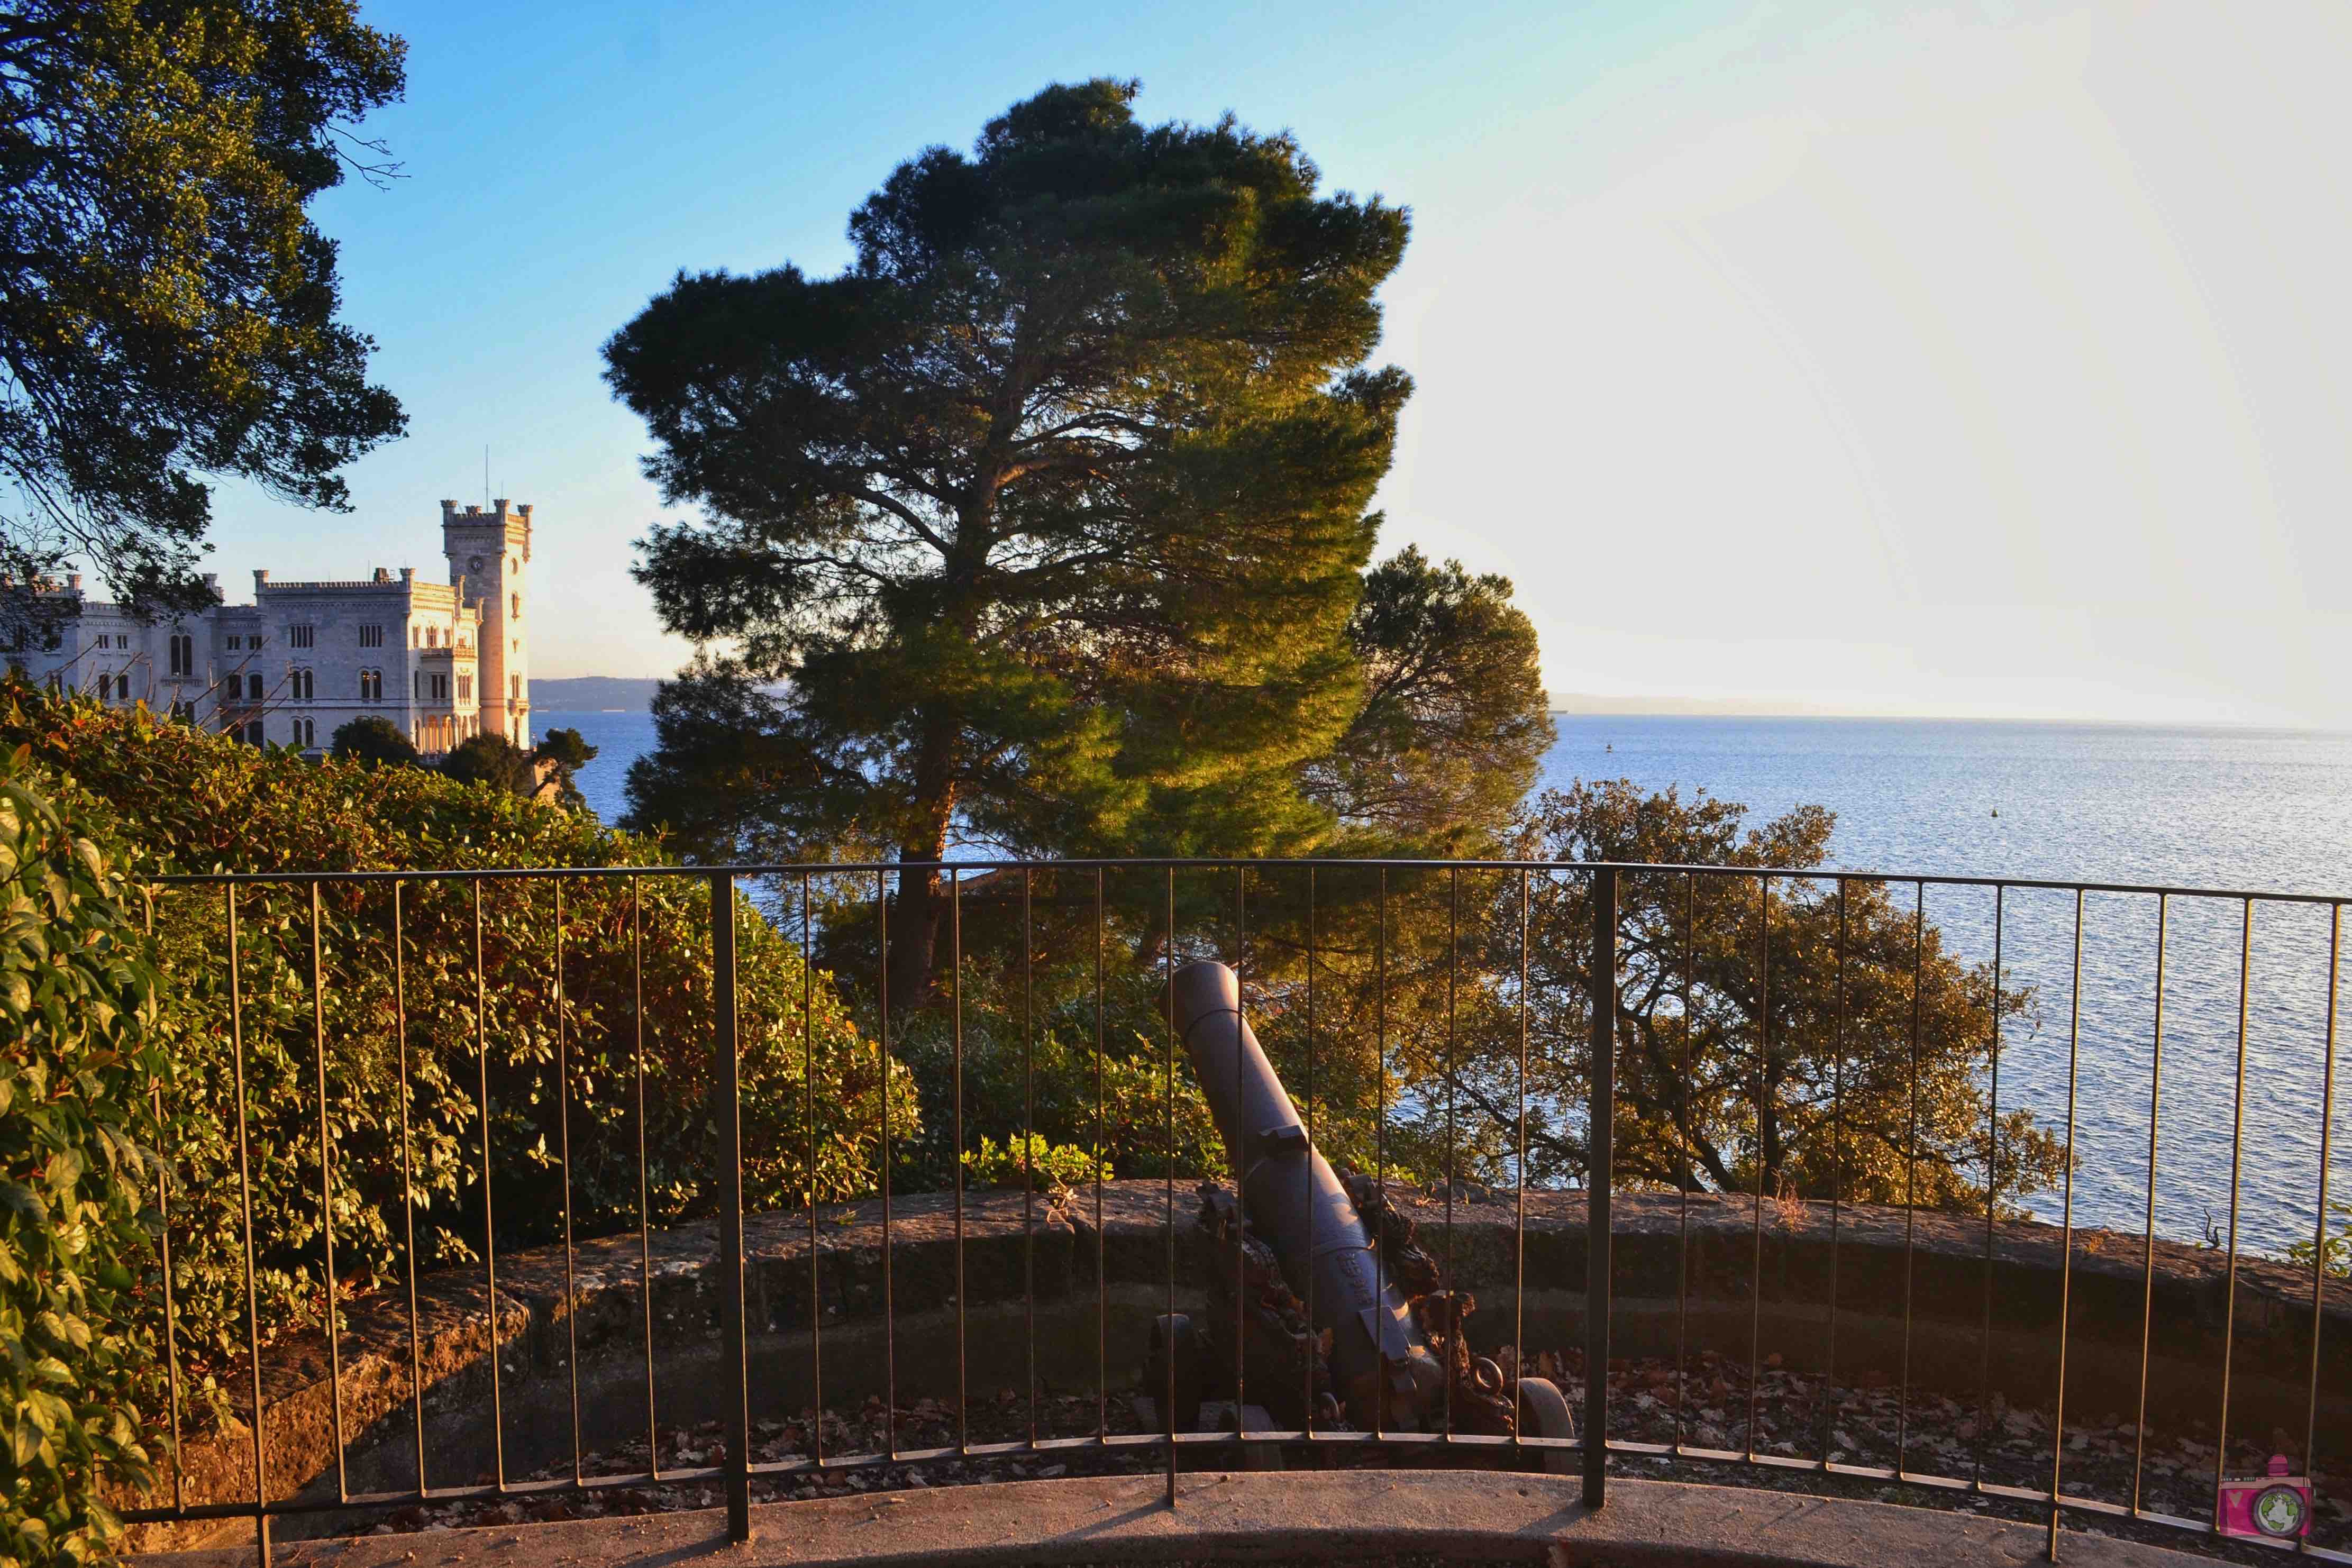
(85, 1057)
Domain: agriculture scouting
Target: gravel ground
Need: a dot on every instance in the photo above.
(1862, 1425)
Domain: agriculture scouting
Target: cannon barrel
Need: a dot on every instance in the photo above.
(1380, 1364)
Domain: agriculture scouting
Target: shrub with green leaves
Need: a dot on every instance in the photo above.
(1056, 1169)
(561, 1016)
(79, 1083)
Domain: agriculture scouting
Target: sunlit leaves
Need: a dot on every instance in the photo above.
(86, 1052)
(190, 800)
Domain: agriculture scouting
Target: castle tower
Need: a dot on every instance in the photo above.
(490, 560)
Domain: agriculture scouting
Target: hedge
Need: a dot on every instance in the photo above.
(402, 1112)
(85, 1064)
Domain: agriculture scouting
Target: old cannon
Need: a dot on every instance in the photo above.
(1341, 1316)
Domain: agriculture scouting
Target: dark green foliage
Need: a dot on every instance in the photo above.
(372, 740)
(87, 1058)
(200, 801)
(492, 760)
(1050, 508)
(167, 311)
(1455, 721)
(565, 753)
(567, 749)
(1048, 1079)
(1735, 1096)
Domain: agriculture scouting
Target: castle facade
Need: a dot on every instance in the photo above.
(441, 661)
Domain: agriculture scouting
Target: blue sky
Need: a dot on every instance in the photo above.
(1967, 359)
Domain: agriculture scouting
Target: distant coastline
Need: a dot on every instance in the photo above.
(635, 694)
(594, 694)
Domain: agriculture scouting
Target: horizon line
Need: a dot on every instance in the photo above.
(1594, 705)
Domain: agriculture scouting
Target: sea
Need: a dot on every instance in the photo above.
(2239, 810)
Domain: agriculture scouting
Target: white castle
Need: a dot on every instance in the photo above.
(440, 660)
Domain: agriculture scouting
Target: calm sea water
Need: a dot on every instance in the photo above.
(2239, 809)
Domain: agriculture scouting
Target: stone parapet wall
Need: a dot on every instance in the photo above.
(1881, 1257)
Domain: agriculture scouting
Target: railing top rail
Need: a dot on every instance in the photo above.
(1151, 862)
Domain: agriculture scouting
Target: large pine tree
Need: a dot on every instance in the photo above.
(1042, 524)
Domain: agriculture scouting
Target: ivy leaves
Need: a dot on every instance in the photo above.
(78, 993)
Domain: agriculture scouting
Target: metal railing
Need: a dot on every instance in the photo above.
(1603, 962)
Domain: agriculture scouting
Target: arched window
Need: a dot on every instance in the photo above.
(432, 636)
(514, 688)
(183, 654)
(252, 731)
(253, 688)
(517, 599)
(304, 686)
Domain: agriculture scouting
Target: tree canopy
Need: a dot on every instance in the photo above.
(1803, 1036)
(563, 753)
(1039, 525)
(492, 760)
(372, 740)
(167, 310)
(1455, 721)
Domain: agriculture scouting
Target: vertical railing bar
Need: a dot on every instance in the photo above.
(1168, 991)
(245, 1204)
(2155, 1105)
(1519, 1181)
(2319, 1231)
(2237, 1148)
(1102, 1142)
(1452, 979)
(563, 1156)
(1829, 1401)
(955, 1092)
(1029, 1136)
(489, 1215)
(1307, 1189)
(1992, 1191)
(1911, 1179)
(1601, 1183)
(1235, 1158)
(727, 1050)
(808, 1091)
(1687, 1175)
(2066, 1232)
(327, 1189)
(882, 1044)
(407, 1183)
(1763, 1113)
(1380, 1128)
(645, 1185)
(164, 1243)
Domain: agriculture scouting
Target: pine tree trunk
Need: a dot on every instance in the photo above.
(915, 926)
(917, 922)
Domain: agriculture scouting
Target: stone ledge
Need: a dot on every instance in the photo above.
(1314, 1516)
(607, 1311)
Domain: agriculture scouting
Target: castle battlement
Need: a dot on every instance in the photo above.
(500, 511)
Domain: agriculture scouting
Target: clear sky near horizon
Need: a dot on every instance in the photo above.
(1958, 360)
